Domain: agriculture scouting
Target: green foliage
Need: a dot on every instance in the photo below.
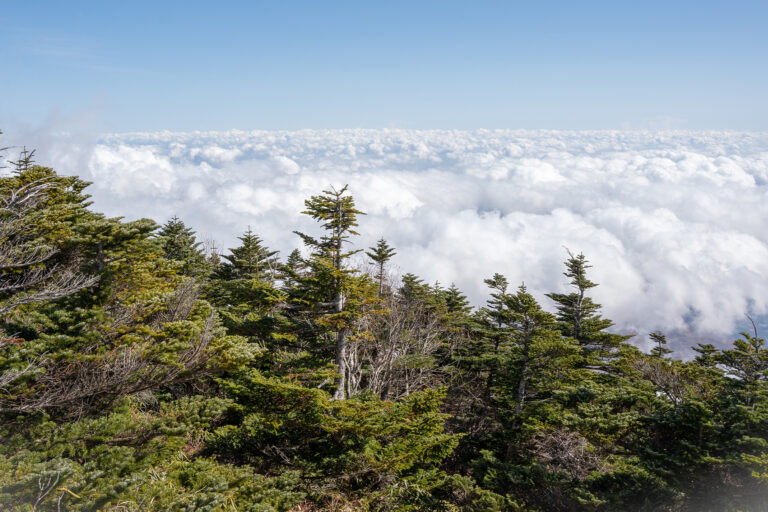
(137, 456)
(354, 448)
(136, 377)
(250, 260)
(578, 316)
(244, 291)
(380, 256)
(180, 246)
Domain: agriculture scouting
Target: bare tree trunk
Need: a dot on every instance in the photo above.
(521, 392)
(523, 382)
(381, 279)
(341, 354)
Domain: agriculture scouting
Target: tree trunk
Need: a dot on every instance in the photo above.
(341, 354)
(521, 385)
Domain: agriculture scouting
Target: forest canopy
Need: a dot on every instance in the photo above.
(140, 371)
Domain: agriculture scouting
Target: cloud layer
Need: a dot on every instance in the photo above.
(673, 222)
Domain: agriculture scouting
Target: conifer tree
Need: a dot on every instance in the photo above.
(180, 245)
(136, 329)
(536, 350)
(660, 350)
(250, 260)
(579, 318)
(244, 290)
(44, 249)
(413, 290)
(380, 255)
(493, 333)
(293, 268)
(25, 161)
(327, 266)
(455, 301)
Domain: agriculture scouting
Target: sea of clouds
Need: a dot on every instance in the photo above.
(673, 222)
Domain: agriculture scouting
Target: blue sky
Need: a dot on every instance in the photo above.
(289, 65)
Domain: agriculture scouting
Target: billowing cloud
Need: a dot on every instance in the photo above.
(673, 222)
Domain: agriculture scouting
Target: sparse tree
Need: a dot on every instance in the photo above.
(660, 349)
(380, 254)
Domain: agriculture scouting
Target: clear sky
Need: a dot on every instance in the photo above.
(322, 64)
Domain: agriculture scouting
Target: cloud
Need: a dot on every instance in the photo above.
(672, 221)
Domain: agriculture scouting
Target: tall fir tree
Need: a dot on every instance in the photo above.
(329, 285)
(414, 290)
(455, 301)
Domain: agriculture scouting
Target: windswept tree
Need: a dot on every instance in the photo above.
(659, 349)
(37, 209)
(140, 326)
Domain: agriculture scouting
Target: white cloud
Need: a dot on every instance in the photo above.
(672, 221)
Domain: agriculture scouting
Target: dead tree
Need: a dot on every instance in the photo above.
(397, 356)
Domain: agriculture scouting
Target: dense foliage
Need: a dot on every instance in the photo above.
(140, 372)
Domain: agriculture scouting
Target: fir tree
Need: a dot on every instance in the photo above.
(455, 301)
(380, 255)
(25, 161)
(244, 290)
(250, 260)
(493, 336)
(328, 272)
(578, 315)
(180, 245)
(660, 349)
(413, 290)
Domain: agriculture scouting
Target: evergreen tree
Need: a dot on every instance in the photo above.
(578, 315)
(243, 288)
(250, 260)
(294, 266)
(455, 301)
(534, 363)
(537, 351)
(180, 245)
(25, 162)
(413, 290)
(380, 255)
(660, 350)
(139, 326)
(493, 336)
(329, 285)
